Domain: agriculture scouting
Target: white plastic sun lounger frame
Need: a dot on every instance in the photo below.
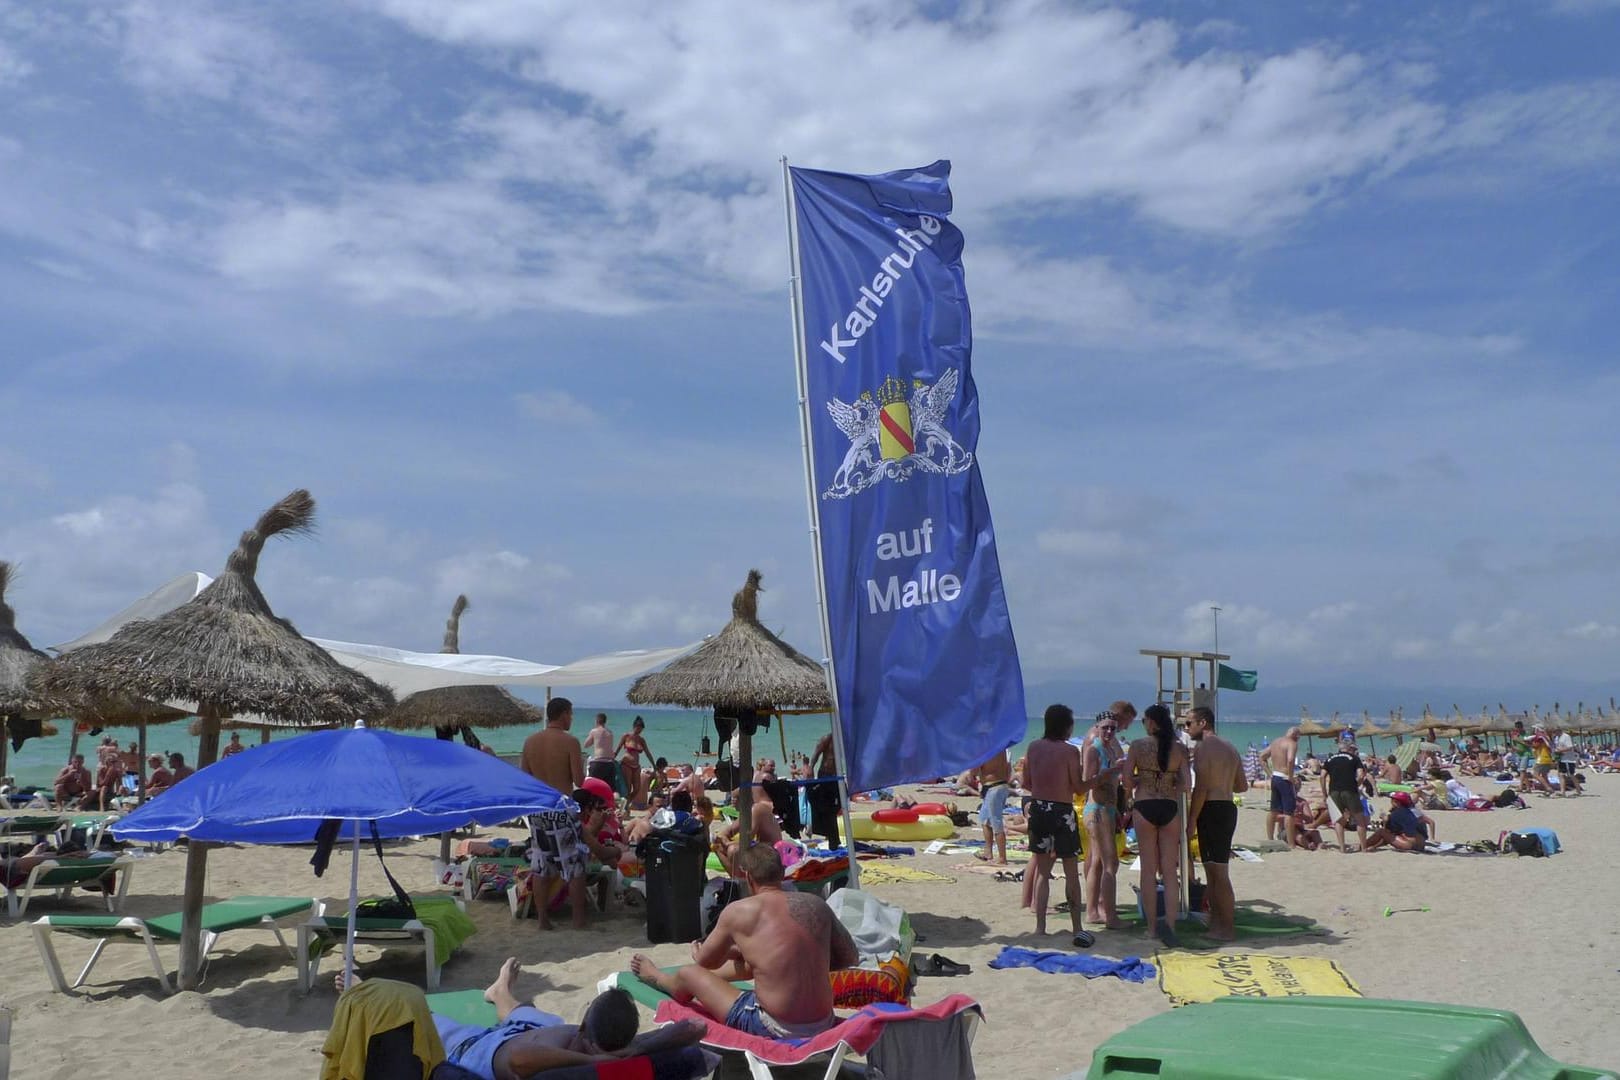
(17, 898)
(411, 932)
(137, 927)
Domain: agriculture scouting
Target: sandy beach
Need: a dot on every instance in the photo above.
(1535, 936)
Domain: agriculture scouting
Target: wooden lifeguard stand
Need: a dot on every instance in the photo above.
(1187, 678)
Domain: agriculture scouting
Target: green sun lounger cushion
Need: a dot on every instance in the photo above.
(234, 914)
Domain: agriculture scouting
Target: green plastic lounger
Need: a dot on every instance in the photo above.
(239, 913)
(321, 929)
(1328, 1038)
(62, 876)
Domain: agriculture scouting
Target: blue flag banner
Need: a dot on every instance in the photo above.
(927, 671)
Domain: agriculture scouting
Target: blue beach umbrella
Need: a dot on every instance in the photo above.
(282, 792)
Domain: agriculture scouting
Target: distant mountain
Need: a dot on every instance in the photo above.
(1088, 696)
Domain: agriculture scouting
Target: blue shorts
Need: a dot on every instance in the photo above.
(993, 808)
(1282, 795)
(473, 1047)
(747, 1016)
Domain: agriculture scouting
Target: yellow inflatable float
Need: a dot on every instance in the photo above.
(926, 827)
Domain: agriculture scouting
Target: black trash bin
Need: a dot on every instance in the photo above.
(675, 877)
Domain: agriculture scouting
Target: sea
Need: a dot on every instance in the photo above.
(674, 734)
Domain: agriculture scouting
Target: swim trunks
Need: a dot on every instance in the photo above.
(993, 807)
(1348, 802)
(1217, 821)
(1157, 812)
(1282, 795)
(1053, 829)
(748, 1016)
(473, 1048)
(559, 847)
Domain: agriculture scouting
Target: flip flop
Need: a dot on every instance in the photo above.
(939, 965)
(1085, 939)
(1002, 875)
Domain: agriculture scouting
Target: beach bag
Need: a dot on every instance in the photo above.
(717, 893)
(1524, 844)
(1506, 798)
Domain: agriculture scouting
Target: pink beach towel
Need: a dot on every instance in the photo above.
(860, 1032)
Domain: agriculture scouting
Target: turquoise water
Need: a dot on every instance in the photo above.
(670, 733)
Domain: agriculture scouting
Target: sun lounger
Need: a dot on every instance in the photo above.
(240, 913)
(323, 928)
(62, 876)
(901, 1042)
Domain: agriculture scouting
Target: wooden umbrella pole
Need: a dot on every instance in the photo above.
(5, 744)
(264, 736)
(140, 767)
(197, 869)
(745, 787)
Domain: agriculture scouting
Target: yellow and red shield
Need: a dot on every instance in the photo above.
(894, 431)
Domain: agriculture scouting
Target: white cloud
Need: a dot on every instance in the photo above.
(176, 50)
(556, 407)
(13, 68)
(1594, 631)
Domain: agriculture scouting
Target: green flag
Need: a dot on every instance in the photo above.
(1234, 679)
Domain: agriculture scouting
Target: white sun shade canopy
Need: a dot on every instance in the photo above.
(406, 672)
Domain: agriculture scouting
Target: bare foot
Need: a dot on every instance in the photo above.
(643, 968)
(504, 981)
(341, 984)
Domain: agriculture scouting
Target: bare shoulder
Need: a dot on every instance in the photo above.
(807, 910)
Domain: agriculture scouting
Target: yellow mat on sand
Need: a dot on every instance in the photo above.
(901, 875)
(1192, 977)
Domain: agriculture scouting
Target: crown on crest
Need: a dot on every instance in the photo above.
(891, 392)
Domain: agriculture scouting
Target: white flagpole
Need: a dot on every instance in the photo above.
(796, 293)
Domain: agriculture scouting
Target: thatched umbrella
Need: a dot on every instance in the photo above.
(226, 651)
(451, 708)
(1369, 731)
(1311, 728)
(460, 708)
(745, 667)
(17, 658)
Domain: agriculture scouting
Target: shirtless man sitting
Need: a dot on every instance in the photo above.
(788, 943)
(526, 1041)
(765, 829)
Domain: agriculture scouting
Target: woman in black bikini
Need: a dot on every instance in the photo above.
(1156, 776)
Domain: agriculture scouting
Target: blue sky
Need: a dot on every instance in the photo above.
(1307, 310)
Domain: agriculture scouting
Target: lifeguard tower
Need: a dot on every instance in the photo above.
(1186, 679)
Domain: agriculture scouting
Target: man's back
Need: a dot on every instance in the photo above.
(552, 756)
(1053, 770)
(1281, 754)
(996, 769)
(787, 939)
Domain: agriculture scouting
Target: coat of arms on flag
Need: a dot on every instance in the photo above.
(905, 428)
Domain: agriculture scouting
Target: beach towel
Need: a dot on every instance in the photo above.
(1131, 969)
(859, 1033)
(450, 926)
(371, 1008)
(1186, 977)
(902, 875)
(1247, 923)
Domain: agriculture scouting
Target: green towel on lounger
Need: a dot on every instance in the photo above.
(450, 926)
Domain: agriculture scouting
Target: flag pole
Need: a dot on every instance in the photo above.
(796, 295)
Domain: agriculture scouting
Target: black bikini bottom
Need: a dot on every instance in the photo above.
(1157, 812)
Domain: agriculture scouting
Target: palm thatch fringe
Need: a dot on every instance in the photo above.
(225, 650)
(457, 706)
(744, 666)
(17, 659)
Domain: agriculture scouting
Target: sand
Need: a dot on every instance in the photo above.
(1536, 936)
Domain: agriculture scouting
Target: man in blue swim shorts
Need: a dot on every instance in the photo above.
(993, 778)
(788, 943)
(527, 1040)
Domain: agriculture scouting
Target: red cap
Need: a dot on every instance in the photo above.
(600, 788)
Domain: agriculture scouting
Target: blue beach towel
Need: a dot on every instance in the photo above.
(1131, 969)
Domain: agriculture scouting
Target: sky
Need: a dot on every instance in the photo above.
(1307, 311)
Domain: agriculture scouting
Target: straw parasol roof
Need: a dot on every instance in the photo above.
(454, 706)
(17, 659)
(225, 650)
(744, 666)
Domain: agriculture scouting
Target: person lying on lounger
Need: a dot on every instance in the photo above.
(526, 1041)
(16, 871)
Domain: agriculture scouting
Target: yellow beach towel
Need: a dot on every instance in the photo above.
(901, 875)
(1187, 977)
(371, 1008)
